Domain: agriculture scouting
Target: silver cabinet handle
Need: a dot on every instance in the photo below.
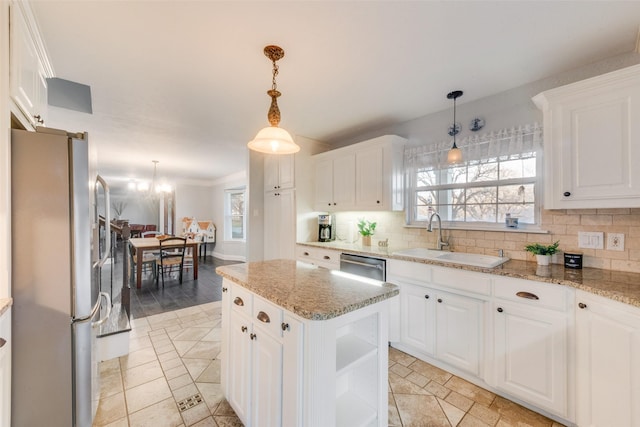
(2, 342)
(263, 317)
(527, 295)
(364, 264)
(238, 301)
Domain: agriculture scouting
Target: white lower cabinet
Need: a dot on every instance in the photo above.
(290, 371)
(459, 331)
(446, 326)
(417, 318)
(531, 343)
(321, 257)
(254, 368)
(608, 362)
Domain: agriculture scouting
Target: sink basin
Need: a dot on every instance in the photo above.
(476, 260)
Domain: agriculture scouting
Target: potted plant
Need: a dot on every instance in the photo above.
(543, 252)
(366, 229)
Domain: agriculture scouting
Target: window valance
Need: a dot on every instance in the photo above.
(516, 143)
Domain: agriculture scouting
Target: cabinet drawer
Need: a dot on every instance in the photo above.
(267, 316)
(468, 281)
(326, 258)
(241, 300)
(533, 293)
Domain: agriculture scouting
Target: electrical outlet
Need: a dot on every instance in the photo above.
(615, 241)
(591, 239)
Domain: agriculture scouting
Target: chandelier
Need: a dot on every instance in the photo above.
(155, 186)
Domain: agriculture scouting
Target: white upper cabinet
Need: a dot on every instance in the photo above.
(279, 172)
(364, 176)
(27, 71)
(592, 142)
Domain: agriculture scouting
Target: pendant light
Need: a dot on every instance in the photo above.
(455, 155)
(274, 139)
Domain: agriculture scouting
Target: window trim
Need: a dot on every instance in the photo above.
(536, 227)
(228, 216)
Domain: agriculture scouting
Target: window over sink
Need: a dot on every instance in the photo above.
(499, 177)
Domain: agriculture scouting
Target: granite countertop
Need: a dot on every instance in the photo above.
(310, 292)
(5, 303)
(616, 285)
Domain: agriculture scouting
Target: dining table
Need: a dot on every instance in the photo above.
(143, 244)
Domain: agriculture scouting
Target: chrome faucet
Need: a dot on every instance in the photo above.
(440, 243)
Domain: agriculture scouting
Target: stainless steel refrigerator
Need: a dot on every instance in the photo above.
(56, 264)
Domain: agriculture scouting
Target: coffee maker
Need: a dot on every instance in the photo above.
(326, 228)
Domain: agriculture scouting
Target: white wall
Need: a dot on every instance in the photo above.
(194, 201)
(502, 110)
(227, 250)
(138, 209)
(5, 159)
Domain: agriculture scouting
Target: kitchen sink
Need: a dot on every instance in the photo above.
(476, 260)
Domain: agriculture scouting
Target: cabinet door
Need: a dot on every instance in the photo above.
(458, 331)
(369, 178)
(266, 380)
(28, 80)
(344, 182)
(280, 225)
(608, 362)
(224, 333)
(323, 185)
(238, 388)
(278, 171)
(590, 134)
(417, 321)
(530, 357)
(292, 371)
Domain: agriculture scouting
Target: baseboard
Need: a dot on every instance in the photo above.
(228, 257)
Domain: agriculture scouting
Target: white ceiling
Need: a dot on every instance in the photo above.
(184, 82)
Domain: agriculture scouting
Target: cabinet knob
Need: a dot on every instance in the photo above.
(500, 310)
(243, 329)
(253, 336)
(334, 203)
(306, 254)
(426, 297)
(285, 326)
(238, 301)
(566, 193)
(378, 201)
(224, 289)
(439, 299)
(326, 257)
(329, 204)
(582, 305)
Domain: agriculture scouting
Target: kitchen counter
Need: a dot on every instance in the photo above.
(5, 303)
(310, 292)
(616, 285)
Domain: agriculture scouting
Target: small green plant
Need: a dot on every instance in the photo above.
(366, 228)
(538, 249)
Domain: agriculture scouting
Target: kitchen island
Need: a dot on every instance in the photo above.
(303, 345)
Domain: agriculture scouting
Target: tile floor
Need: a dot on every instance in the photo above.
(171, 377)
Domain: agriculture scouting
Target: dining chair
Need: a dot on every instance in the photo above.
(172, 251)
(149, 263)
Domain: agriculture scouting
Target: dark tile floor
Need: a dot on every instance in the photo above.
(151, 299)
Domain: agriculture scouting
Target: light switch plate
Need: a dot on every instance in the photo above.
(591, 239)
(615, 241)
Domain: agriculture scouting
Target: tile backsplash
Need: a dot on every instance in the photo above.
(562, 225)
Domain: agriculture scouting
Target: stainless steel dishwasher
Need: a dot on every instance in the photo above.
(366, 266)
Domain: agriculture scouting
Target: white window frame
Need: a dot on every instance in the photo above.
(229, 216)
(411, 174)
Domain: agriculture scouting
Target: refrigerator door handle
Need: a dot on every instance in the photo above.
(95, 310)
(107, 220)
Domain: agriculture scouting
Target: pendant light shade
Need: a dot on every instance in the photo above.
(454, 155)
(273, 139)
